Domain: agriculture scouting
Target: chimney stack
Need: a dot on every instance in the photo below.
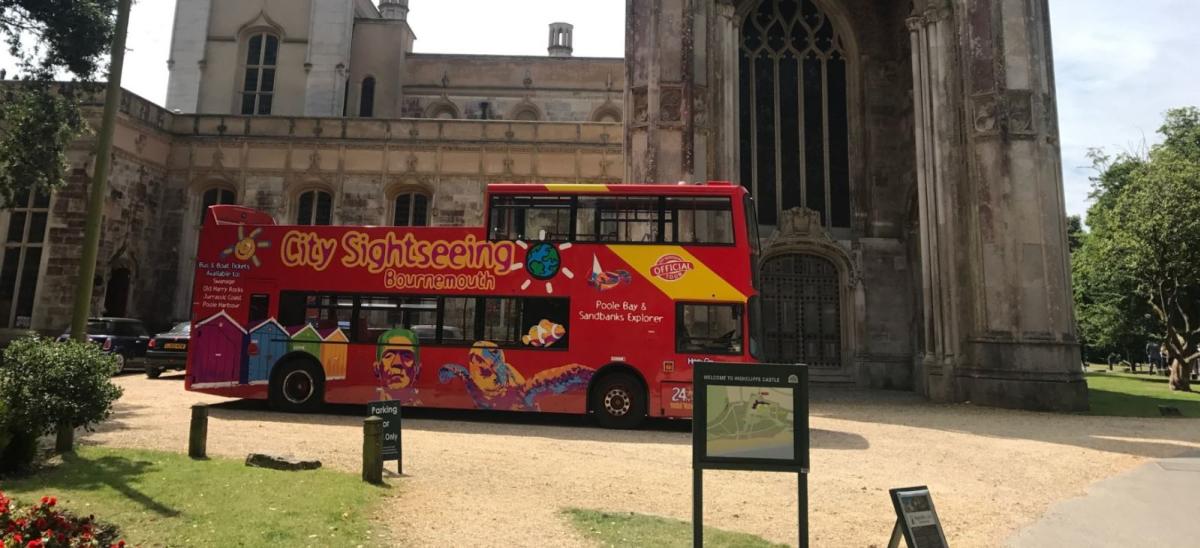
(394, 9)
(561, 39)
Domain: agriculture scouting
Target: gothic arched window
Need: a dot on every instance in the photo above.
(410, 209)
(366, 99)
(258, 84)
(795, 145)
(215, 196)
(315, 207)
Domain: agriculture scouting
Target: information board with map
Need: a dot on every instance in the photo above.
(751, 417)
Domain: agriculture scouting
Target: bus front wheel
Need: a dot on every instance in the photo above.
(619, 401)
(297, 387)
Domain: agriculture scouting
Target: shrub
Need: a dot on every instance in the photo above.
(45, 526)
(4, 433)
(45, 383)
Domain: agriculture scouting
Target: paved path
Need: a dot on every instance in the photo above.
(1156, 504)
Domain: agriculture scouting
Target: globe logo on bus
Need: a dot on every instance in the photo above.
(543, 261)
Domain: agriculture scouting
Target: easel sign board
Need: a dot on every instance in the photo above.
(750, 417)
(389, 411)
(918, 519)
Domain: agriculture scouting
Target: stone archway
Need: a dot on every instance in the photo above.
(812, 298)
(116, 296)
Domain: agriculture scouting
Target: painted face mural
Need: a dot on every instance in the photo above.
(397, 360)
(493, 383)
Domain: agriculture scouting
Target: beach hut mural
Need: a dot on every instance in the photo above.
(268, 343)
(333, 354)
(306, 339)
(218, 352)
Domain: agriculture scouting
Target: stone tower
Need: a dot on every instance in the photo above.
(561, 39)
(923, 135)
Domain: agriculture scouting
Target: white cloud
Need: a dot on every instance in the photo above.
(1120, 66)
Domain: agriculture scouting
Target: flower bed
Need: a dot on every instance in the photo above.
(43, 525)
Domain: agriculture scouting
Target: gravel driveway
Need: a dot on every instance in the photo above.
(478, 479)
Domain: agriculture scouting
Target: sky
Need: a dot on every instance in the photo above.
(1119, 64)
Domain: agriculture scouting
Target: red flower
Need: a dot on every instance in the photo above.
(53, 501)
(37, 543)
(40, 523)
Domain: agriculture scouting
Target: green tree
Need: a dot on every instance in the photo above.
(39, 118)
(1139, 268)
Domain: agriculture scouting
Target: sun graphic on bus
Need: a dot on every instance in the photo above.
(543, 261)
(246, 247)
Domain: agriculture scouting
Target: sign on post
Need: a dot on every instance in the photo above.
(916, 519)
(750, 417)
(389, 411)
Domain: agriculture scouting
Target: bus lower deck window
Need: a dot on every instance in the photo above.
(708, 329)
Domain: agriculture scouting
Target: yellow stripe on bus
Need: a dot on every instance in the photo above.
(677, 273)
(576, 189)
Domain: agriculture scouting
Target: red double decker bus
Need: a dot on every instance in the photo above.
(571, 299)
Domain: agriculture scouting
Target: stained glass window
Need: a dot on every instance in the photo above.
(793, 112)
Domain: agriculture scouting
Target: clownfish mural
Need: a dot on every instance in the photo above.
(544, 334)
(493, 383)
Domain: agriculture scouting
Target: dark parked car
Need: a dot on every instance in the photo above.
(122, 337)
(168, 351)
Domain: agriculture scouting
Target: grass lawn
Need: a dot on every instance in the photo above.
(628, 529)
(1128, 395)
(162, 499)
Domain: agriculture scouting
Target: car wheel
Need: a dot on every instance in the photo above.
(297, 386)
(619, 401)
(153, 372)
(120, 362)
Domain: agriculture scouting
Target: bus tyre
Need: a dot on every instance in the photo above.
(619, 401)
(297, 386)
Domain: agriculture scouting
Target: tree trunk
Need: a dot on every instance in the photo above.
(1180, 376)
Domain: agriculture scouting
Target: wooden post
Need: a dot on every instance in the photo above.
(99, 189)
(372, 467)
(198, 438)
(65, 440)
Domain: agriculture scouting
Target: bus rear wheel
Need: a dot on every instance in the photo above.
(297, 386)
(619, 401)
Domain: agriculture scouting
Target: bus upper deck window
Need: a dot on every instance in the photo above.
(530, 218)
(698, 220)
(624, 219)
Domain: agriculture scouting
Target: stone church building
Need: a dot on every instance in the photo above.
(903, 155)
